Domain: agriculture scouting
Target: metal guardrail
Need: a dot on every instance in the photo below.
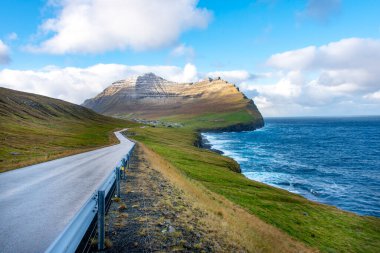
(77, 234)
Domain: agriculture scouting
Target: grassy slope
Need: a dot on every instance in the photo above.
(37, 128)
(324, 227)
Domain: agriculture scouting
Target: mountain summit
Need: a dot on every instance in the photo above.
(138, 86)
(150, 97)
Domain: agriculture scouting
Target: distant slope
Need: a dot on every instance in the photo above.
(152, 97)
(36, 128)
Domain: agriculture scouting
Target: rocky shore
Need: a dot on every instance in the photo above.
(203, 142)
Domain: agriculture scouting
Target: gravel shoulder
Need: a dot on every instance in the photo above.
(153, 215)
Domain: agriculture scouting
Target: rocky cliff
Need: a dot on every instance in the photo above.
(151, 97)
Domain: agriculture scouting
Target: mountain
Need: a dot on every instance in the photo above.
(36, 128)
(151, 97)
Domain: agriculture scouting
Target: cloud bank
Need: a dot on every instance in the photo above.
(95, 26)
(77, 84)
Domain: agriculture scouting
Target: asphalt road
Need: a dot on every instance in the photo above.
(37, 202)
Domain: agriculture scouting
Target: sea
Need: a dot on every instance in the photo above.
(335, 161)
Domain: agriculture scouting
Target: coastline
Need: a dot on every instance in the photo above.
(203, 142)
(312, 192)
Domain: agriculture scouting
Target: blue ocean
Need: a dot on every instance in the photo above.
(335, 161)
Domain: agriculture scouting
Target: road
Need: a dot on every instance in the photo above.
(37, 202)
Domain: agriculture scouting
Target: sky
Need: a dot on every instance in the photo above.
(292, 57)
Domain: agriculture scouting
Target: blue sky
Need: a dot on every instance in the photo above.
(245, 42)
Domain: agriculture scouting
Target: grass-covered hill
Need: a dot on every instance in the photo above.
(36, 128)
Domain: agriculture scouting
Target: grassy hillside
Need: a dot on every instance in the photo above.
(36, 128)
(319, 226)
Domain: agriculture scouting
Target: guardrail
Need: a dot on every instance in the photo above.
(90, 218)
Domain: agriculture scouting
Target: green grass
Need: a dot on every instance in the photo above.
(33, 142)
(36, 129)
(320, 226)
(211, 120)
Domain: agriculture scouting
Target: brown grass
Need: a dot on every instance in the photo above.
(224, 217)
(122, 207)
(108, 243)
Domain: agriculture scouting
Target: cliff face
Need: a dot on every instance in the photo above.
(151, 97)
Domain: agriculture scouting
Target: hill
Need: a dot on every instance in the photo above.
(36, 128)
(151, 97)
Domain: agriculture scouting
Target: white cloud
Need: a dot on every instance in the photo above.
(338, 78)
(93, 26)
(352, 53)
(4, 53)
(189, 74)
(183, 50)
(373, 96)
(77, 84)
(12, 36)
(296, 59)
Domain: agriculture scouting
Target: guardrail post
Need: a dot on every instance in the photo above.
(129, 160)
(118, 182)
(124, 167)
(101, 215)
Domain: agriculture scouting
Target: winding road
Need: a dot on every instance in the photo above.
(38, 201)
